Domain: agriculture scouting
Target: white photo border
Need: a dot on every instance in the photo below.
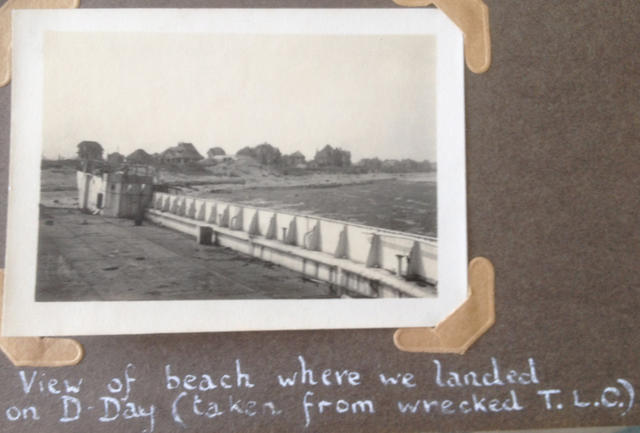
(23, 316)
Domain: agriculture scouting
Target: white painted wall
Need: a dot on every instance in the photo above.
(359, 237)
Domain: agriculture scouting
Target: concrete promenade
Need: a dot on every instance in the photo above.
(91, 258)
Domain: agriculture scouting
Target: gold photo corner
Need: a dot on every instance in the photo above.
(476, 315)
(5, 27)
(465, 325)
(472, 18)
(39, 351)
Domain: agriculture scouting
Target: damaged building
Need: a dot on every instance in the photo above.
(120, 194)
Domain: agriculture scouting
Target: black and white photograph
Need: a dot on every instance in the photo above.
(222, 170)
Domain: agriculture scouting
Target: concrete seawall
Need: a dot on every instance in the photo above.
(367, 260)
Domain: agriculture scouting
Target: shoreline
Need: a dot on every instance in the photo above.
(398, 201)
(314, 181)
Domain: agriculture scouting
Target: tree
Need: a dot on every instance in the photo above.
(294, 159)
(264, 153)
(268, 154)
(371, 164)
(332, 157)
(115, 158)
(246, 151)
(426, 166)
(90, 150)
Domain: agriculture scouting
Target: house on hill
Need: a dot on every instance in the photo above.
(183, 153)
(139, 157)
(215, 151)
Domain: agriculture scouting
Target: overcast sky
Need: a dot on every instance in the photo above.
(371, 95)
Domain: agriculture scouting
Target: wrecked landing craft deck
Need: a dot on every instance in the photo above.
(92, 258)
(355, 259)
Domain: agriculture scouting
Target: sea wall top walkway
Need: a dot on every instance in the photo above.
(407, 255)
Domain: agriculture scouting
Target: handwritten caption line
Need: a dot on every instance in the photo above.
(190, 398)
